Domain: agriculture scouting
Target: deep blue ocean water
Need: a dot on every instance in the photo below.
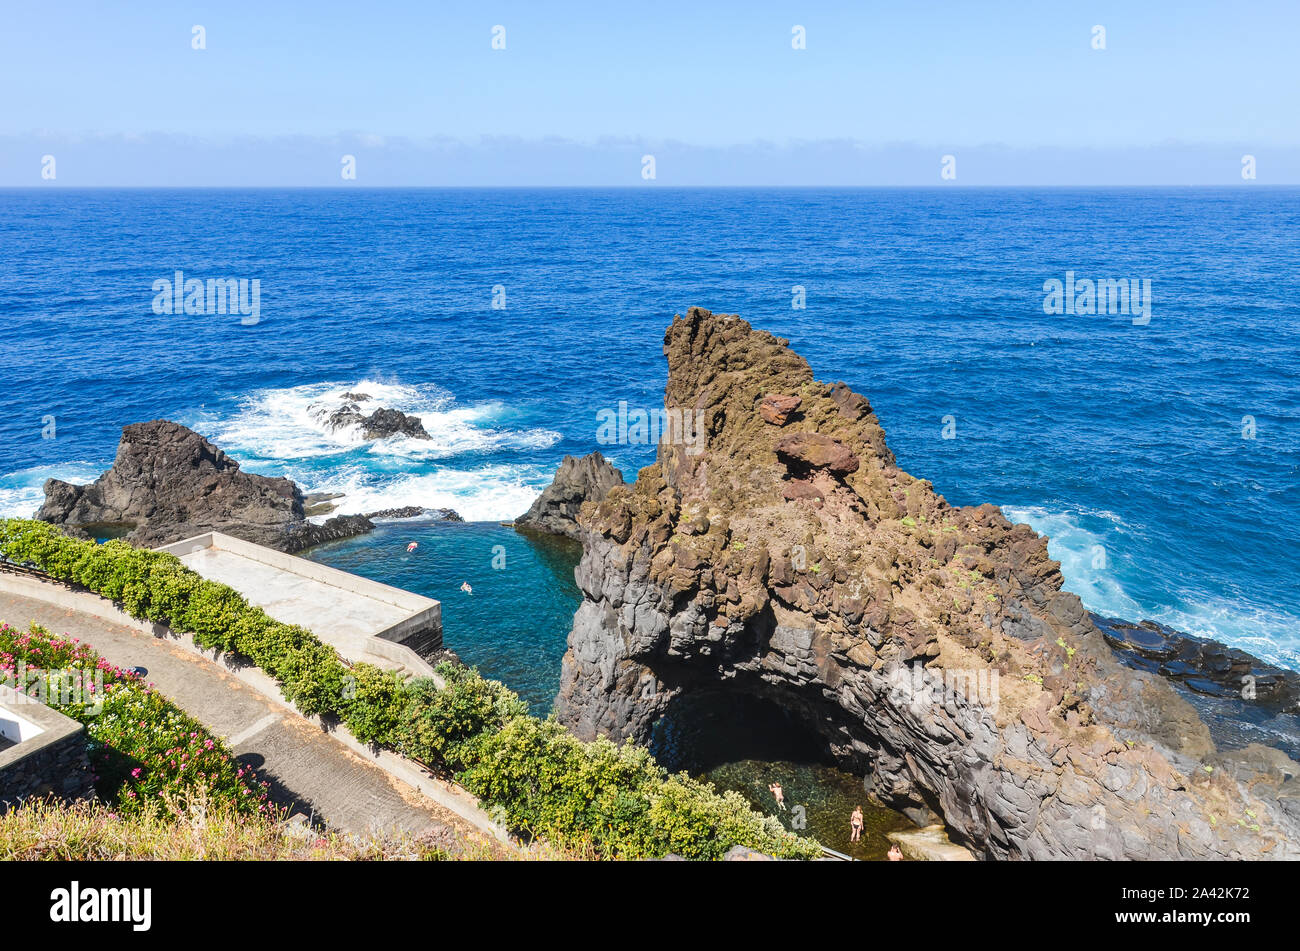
(1124, 443)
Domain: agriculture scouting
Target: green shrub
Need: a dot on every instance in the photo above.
(440, 725)
(610, 799)
(374, 703)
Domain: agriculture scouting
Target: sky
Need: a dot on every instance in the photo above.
(1017, 92)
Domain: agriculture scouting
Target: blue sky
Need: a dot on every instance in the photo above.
(1013, 86)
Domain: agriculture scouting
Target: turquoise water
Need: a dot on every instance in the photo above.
(514, 625)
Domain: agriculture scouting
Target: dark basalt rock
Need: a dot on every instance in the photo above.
(1204, 666)
(930, 646)
(555, 511)
(383, 423)
(380, 424)
(415, 511)
(168, 483)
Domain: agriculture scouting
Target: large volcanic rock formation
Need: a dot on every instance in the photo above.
(169, 483)
(931, 646)
(555, 511)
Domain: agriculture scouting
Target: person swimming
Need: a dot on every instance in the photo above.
(413, 546)
(778, 793)
(464, 586)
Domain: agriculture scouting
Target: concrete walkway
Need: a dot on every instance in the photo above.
(310, 772)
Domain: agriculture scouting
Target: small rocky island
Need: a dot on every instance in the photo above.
(929, 645)
(381, 423)
(168, 483)
(555, 511)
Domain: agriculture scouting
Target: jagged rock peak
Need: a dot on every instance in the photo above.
(578, 479)
(795, 561)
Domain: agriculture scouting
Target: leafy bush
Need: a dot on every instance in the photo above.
(375, 703)
(442, 725)
(601, 797)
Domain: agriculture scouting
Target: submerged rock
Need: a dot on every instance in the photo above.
(168, 483)
(930, 646)
(555, 511)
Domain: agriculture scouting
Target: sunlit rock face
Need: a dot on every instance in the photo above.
(168, 483)
(786, 555)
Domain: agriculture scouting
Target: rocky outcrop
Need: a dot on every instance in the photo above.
(380, 424)
(777, 409)
(931, 646)
(930, 844)
(1206, 667)
(555, 511)
(168, 483)
(383, 423)
(416, 511)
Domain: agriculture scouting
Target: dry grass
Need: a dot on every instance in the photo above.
(197, 830)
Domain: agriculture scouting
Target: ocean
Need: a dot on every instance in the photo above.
(1158, 447)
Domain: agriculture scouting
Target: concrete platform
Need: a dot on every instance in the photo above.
(362, 619)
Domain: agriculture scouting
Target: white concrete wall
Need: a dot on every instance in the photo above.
(16, 728)
(380, 639)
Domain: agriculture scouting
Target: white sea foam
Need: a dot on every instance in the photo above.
(1074, 539)
(490, 493)
(21, 493)
(280, 424)
(1088, 557)
(272, 432)
(278, 432)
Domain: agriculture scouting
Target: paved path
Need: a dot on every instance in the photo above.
(309, 771)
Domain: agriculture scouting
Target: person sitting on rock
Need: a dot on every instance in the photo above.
(895, 853)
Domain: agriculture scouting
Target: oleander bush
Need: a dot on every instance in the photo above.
(142, 748)
(598, 798)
